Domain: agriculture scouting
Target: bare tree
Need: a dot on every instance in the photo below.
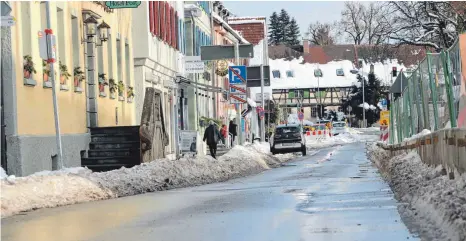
(377, 21)
(429, 24)
(320, 34)
(366, 24)
(352, 22)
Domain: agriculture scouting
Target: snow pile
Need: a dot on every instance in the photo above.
(3, 174)
(58, 188)
(436, 204)
(420, 134)
(367, 106)
(341, 139)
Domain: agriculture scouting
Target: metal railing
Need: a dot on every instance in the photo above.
(431, 99)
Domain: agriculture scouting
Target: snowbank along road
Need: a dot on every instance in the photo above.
(331, 194)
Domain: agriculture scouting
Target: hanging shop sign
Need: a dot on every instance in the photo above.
(122, 4)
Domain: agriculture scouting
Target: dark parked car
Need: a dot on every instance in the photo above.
(288, 138)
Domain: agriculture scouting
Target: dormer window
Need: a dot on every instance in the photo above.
(289, 74)
(340, 72)
(276, 74)
(318, 73)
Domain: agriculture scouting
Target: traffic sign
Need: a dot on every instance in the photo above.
(238, 89)
(237, 98)
(384, 118)
(8, 21)
(194, 64)
(43, 46)
(122, 4)
(237, 74)
(300, 116)
(259, 96)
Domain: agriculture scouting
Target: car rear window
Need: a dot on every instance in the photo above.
(286, 130)
(338, 124)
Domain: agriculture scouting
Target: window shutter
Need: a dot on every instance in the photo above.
(169, 25)
(167, 22)
(155, 6)
(151, 17)
(161, 19)
(173, 28)
(177, 31)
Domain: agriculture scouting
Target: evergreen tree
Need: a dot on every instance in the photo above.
(284, 23)
(292, 37)
(274, 29)
(373, 93)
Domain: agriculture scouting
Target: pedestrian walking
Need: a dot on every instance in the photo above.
(224, 133)
(233, 130)
(211, 137)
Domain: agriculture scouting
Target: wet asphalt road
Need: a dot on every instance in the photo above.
(333, 194)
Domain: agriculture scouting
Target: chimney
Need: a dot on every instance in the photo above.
(306, 46)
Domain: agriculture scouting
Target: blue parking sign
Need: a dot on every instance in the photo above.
(238, 76)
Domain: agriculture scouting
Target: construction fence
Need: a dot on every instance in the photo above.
(435, 95)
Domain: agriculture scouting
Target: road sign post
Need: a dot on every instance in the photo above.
(50, 49)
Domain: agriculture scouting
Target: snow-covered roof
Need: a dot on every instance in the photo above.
(294, 74)
(241, 20)
(303, 74)
(228, 28)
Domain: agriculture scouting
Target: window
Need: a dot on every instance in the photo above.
(110, 56)
(119, 67)
(75, 40)
(276, 74)
(318, 73)
(61, 36)
(314, 111)
(289, 74)
(340, 72)
(100, 60)
(26, 27)
(287, 130)
(299, 93)
(127, 65)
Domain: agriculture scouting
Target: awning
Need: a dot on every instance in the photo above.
(189, 83)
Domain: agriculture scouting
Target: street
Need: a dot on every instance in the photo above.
(331, 194)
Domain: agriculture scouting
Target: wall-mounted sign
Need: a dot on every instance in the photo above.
(122, 4)
(194, 65)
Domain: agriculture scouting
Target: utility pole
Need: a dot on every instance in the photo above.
(263, 105)
(238, 111)
(363, 103)
(51, 60)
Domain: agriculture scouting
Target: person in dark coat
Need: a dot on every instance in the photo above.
(233, 130)
(211, 137)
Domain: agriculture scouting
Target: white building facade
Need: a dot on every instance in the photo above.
(159, 48)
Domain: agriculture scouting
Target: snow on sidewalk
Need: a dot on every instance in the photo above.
(351, 136)
(435, 203)
(77, 185)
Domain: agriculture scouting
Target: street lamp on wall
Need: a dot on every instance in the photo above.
(91, 24)
(103, 30)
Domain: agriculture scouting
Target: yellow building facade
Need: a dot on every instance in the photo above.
(30, 131)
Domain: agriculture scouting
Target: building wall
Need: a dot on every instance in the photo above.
(159, 56)
(31, 144)
(36, 102)
(202, 36)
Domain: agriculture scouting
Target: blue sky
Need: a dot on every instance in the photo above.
(304, 12)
